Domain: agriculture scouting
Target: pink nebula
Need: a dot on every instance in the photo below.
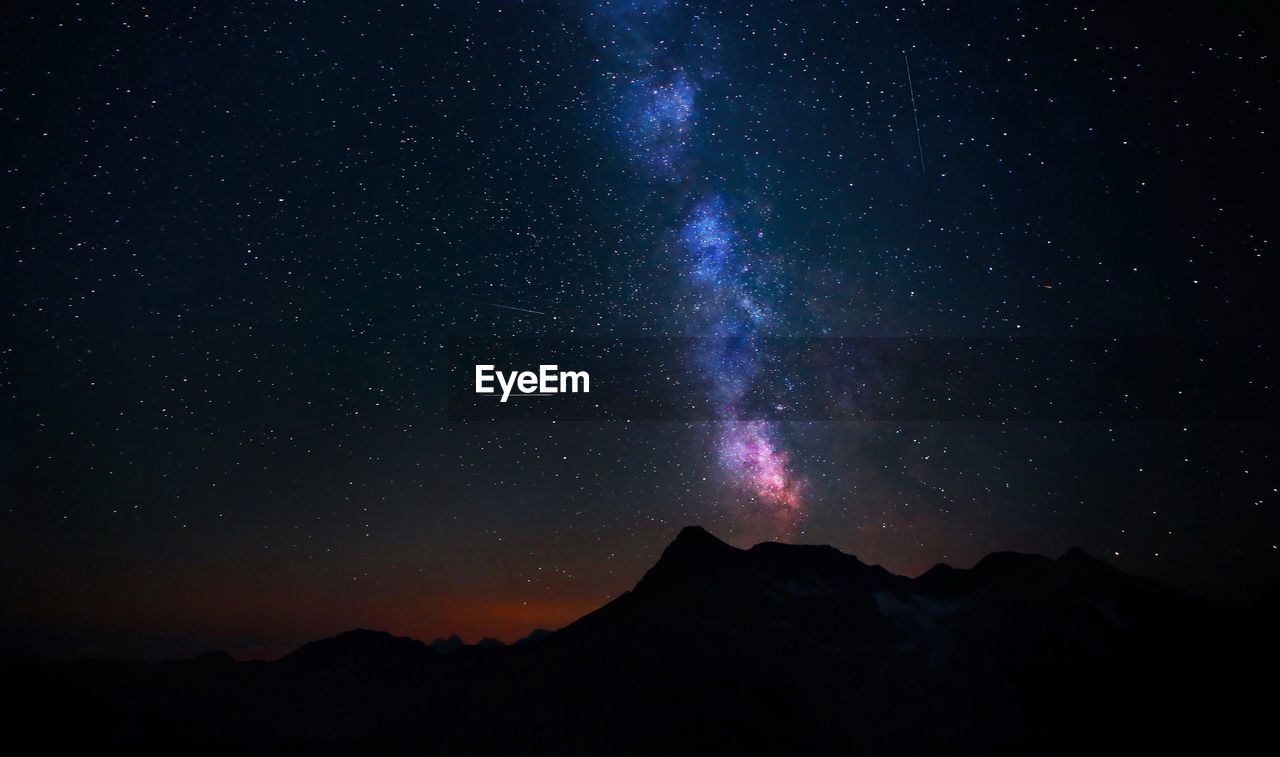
(752, 458)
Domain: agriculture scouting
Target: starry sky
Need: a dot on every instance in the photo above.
(240, 236)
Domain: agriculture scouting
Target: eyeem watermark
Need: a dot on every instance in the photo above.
(547, 381)
(864, 379)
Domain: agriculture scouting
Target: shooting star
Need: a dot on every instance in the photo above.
(504, 307)
(914, 115)
(489, 304)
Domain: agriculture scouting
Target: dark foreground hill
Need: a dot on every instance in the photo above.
(775, 649)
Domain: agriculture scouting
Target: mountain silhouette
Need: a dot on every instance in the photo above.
(451, 644)
(775, 649)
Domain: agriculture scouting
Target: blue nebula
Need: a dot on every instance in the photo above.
(659, 53)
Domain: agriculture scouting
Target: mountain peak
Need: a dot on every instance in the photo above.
(445, 646)
(694, 550)
(357, 642)
(696, 535)
(696, 542)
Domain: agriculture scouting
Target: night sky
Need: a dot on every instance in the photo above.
(239, 235)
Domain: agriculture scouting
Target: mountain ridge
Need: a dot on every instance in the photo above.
(695, 548)
(771, 649)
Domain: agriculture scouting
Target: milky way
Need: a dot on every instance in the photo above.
(241, 236)
(661, 56)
